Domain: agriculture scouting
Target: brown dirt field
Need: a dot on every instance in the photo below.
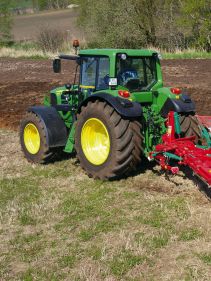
(27, 27)
(193, 75)
(25, 82)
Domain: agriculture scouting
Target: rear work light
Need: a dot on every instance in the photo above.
(123, 94)
(176, 91)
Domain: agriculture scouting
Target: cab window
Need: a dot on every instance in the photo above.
(95, 72)
(136, 73)
(88, 73)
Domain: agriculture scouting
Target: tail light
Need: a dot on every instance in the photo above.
(123, 94)
(176, 91)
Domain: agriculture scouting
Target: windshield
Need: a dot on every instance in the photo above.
(136, 73)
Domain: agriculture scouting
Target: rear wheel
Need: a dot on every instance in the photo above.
(33, 140)
(107, 145)
(190, 127)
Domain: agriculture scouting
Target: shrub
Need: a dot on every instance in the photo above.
(51, 39)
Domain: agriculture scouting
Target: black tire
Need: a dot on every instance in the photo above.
(190, 127)
(125, 142)
(44, 154)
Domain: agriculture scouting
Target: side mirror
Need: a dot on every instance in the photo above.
(57, 65)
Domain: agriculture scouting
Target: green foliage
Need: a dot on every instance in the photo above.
(165, 24)
(196, 15)
(23, 189)
(67, 261)
(133, 22)
(21, 4)
(42, 4)
(124, 261)
(187, 54)
(205, 257)
(190, 234)
(159, 241)
(5, 22)
(50, 4)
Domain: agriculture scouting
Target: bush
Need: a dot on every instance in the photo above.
(51, 39)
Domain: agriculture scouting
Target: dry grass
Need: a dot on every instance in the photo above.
(33, 53)
(36, 53)
(190, 53)
(57, 224)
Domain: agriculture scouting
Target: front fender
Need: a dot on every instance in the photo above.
(55, 129)
(124, 107)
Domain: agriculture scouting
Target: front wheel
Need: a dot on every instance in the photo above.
(107, 145)
(33, 139)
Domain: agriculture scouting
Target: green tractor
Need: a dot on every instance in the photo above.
(114, 114)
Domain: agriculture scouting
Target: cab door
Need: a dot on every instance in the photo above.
(94, 74)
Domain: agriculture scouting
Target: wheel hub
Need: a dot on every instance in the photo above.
(31, 138)
(95, 141)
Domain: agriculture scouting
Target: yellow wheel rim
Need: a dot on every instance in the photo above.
(95, 141)
(31, 138)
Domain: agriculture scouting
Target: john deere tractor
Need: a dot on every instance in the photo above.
(114, 114)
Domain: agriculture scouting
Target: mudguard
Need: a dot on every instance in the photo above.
(124, 107)
(182, 105)
(56, 132)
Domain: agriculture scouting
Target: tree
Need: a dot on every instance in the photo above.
(120, 23)
(5, 22)
(167, 24)
(123, 23)
(196, 15)
(52, 4)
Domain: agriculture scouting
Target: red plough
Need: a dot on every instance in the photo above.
(184, 151)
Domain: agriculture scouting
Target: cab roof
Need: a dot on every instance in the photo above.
(113, 52)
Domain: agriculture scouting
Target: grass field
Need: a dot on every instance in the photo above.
(57, 224)
(29, 49)
(186, 54)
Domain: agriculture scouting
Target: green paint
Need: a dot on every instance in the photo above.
(113, 52)
(207, 136)
(172, 156)
(169, 155)
(177, 123)
(71, 140)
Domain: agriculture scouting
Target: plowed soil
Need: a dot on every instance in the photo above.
(25, 82)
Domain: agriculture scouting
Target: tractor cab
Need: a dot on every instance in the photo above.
(115, 69)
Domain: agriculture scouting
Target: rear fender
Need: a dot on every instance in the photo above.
(124, 107)
(182, 105)
(55, 129)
